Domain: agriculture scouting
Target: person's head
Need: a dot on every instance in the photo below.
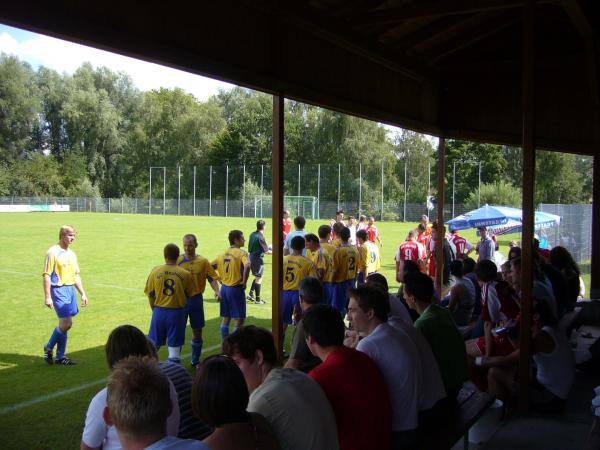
(377, 279)
(424, 219)
(171, 252)
(260, 225)
(361, 236)
(421, 228)
(66, 235)
(219, 393)
(410, 266)
(505, 271)
(253, 350)
(514, 252)
(345, 234)
(512, 244)
(486, 271)
(298, 243)
(483, 232)
(236, 238)
(190, 244)
(368, 307)
(351, 220)
(542, 315)
(418, 289)
(323, 327)
(310, 291)
(371, 220)
(339, 215)
(124, 341)
(456, 268)
(562, 260)
(299, 222)
(515, 273)
(286, 214)
(312, 242)
(337, 228)
(324, 231)
(362, 218)
(412, 235)
(468, 265)
(138, 399)
(452, 230)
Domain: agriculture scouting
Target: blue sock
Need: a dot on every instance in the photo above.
(54, 338)
(196, 350)
(61, 346)
(224, 331)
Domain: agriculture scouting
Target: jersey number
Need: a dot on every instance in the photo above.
(289, 275)
(373, 258)
(227, 263)
(407, 254)
(169, 287)
(351, 263)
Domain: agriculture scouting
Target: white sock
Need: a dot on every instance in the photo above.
(174, 352)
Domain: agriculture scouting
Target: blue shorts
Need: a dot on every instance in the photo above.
(340, 295)
(290, 299)
(360, 278)
(328, 293)
(194, 310)
(233, 302)
(168, 325)
(64, 300)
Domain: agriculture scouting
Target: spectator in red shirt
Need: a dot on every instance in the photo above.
(287, 224)
(351, 381)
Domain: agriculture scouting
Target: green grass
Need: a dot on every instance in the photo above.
(116, 252)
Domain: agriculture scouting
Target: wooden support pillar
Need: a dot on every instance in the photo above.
(277, 227)
(528, 205)
(594, 61)
(441, 231)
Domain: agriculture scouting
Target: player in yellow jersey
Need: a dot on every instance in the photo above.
(233, 268)
(337, 229)
(295, 268)
(324, 235)
(168, 288)
(201, 271)
(61, 278)
(323, 262)
(345, 265)
(369, 261)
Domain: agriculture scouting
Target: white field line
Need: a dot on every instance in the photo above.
(44, 398)
(111, 286)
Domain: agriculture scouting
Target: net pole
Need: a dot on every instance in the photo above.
(428, 188)
(226, 187)
(108, 204)
(382, 205)
(244, 191)
(405, 186)
(339, 184)
(164, 190)
(150, 191)
(122, 201)
(319, 183)
(194, 195)
(178, 189)
(359, 187)
(209, 191)
(479, 188)
(262, 175)
(298, 189)
(453, 185)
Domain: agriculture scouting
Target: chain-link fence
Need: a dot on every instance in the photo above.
(574, 232)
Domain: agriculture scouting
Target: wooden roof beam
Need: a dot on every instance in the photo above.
(577, 16)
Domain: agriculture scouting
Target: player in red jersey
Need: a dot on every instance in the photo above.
(461, 247)
(287, 224)
(372, 232)
(409, 250)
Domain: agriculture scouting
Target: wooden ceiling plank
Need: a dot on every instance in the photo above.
(577, 16)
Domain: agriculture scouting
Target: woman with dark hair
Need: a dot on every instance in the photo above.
(562, 260)
(219, 399)
(514, 252)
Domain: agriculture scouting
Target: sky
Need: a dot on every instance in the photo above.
(64, 56)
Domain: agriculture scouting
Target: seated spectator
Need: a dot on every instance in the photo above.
(555, 280)
(409, 267)
(542, 289)
(398, 310)
(137, 405)
(311, 293)
(293, 404)
(514, 252)
(439, 329)
(220, 399)
(433, 386)
(123, 341)
(351, 381)
(469, 272)
(561, 259)
(396, 357)
(462, 295)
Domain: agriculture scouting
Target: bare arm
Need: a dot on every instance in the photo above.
(455, 296)
(399, 268)
(292, 363)
(246, 274)
(79, 286)
(47, 297)
(215, 286)
(489, 339)
(509, 360)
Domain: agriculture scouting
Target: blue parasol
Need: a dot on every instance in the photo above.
(500, 219)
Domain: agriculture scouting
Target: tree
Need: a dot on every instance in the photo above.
(414, 150)
(500, 193)
(557, 179)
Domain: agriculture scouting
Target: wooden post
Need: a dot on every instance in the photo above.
(595, 265)
(277, 227)
(528, 206)
(441, 230)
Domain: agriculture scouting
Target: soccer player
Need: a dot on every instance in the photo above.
(369, 261)
(233, 268)
(168, 288)
(61, 278)
(324, 232)
(257, 247)
(362, 223)
(337, 229)
(345, 264)
(351, 224)
(372, 231)
(323, 262)
(287, 224)
(201, 271)
(299, 224)
(409, 250)
(461, 246)
(295, 268)
(339, 216)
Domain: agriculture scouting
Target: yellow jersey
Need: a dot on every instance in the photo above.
(323, 262)
(345, 263)
(231, 265)
(369, 258)
(336, 243)
(168, 286)
(295, 269)
(329, 247)
(61, 266)
(200, 269)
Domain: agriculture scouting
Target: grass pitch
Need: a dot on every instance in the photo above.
(42, 406)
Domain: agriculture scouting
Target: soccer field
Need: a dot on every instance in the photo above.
(43, 407)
